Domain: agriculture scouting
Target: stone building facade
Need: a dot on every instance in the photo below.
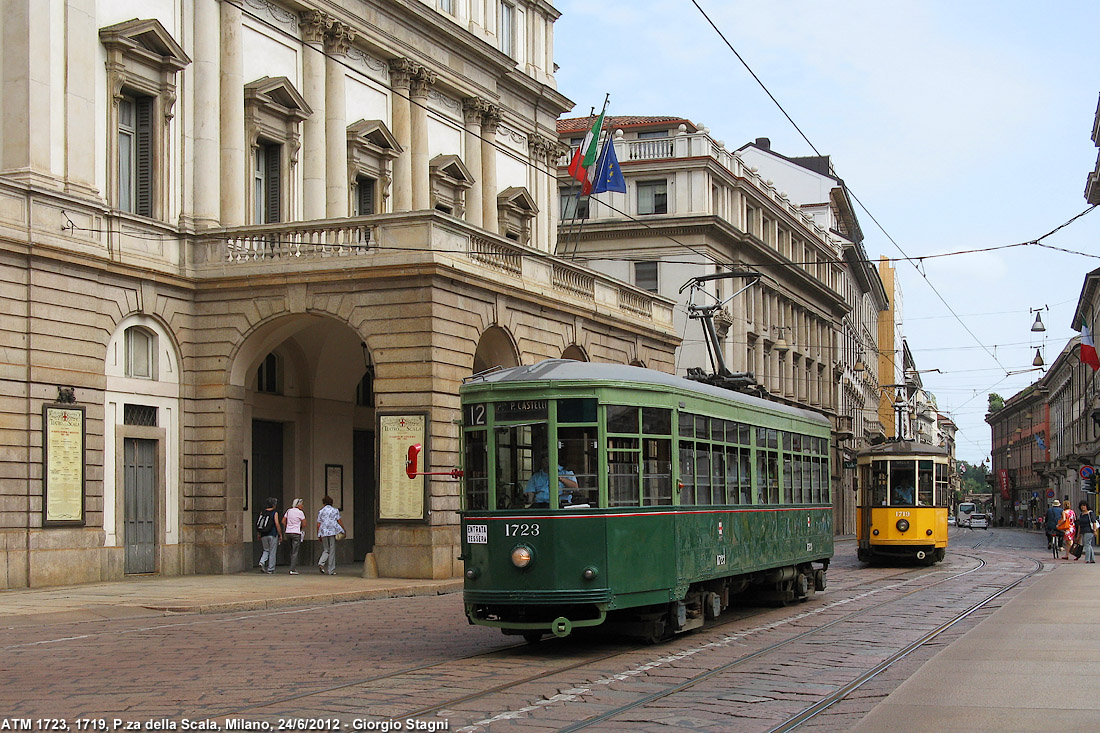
(236, 238)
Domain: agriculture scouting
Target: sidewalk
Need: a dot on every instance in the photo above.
(1028, 667)
(164, 595)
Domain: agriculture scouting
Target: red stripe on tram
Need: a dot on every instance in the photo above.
(567, 515)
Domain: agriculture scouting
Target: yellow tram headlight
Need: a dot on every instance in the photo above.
(522, 555)
(903, 525)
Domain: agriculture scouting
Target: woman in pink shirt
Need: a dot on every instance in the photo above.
(294, 532)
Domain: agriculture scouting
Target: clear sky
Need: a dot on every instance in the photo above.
(959, 125)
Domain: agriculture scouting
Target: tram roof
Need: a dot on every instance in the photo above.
(904, 448)
(567, 370)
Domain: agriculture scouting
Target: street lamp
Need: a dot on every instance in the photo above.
(1038, 326)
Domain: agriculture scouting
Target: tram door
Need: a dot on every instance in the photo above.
(863, 503)
(140, 505)
(267, 473)
(364, 492)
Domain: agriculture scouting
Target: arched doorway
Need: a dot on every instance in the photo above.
(307, 427)
(495, 349)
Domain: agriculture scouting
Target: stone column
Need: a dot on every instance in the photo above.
(206, 180)
(80, 45)
(472, 107)
(418, 95)
(25, 114)
(234, 148)
(337, 42)
(490, 122)
(401, 72)
(544, 153)
(313, 24)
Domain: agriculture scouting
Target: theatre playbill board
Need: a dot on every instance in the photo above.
(400, 497)
(62, 465)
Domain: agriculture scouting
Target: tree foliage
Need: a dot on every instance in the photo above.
(996, 402)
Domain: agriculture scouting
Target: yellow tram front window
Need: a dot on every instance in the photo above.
(903, 483)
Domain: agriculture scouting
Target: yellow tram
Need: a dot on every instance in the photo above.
(903, 496)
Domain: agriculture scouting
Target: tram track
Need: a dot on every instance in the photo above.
(738, 617)
(697, 679)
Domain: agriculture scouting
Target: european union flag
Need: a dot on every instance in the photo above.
(609, 177)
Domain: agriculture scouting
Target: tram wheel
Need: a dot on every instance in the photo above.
(655, 632)
(532, 637)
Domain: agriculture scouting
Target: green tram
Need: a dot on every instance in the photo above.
(671, 497)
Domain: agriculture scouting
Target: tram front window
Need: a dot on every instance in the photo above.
(519, 448)
(903, 482)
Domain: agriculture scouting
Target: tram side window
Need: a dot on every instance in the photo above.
(767, 465)
(925, 490)
(687, 472)
(702, 473)
(941, 485)
(623, 466)
(657, 472)
(476, 471)
(578, 452)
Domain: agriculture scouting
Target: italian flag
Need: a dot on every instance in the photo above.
(1088, 348)
(585, 157)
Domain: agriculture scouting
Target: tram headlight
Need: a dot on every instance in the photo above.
(928, 532)
(522, 555)
(472, 574)
(903, 525)
(590, 573)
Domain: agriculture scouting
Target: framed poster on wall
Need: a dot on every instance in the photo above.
(400, 497)
(334, 484)
(63, 439)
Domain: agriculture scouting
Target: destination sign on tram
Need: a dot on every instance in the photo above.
(522, 410)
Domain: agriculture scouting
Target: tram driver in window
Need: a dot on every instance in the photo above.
(903, 495)
(537, 491)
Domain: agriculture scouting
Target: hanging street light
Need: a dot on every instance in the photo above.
(1038, 360)
(1038, 326)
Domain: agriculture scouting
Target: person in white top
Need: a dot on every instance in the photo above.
(329, 525)
(294, 531)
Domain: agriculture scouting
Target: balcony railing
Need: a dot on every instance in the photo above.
(308, 240)
(420, 238)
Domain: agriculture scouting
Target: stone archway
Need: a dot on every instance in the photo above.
(495, 348)
(576, 353)
(304, 425)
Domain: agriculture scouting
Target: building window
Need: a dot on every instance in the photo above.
(364, 195)
(140, 348)
(135, 154)
(507, 30)
(140, 415)
(267, 375)
(267, 201)
(645, 276)
(651, 134)
(447, 6)
(652, 197)
(142, 62)
(573, 205)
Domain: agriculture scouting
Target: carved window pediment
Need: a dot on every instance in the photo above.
(373, 136)
(146, 41)
(371, 150)
(449, 180)
(277, 95)
(516, 208)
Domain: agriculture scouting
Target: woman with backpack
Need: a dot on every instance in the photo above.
(270, 534)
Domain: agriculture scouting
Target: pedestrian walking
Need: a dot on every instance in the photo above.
(294, 526)
(1068, 525)
(329, 528)
(1050, 523)
(270, 533)
(1086, 529)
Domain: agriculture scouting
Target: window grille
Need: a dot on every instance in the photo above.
(140, 415)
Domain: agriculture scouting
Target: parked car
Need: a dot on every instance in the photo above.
(979, 521)
(951, 521)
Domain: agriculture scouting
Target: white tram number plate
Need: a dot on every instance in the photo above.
(720, 560)
(477, 534)
(521, 530)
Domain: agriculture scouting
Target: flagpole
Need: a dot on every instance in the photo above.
(580, 189)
